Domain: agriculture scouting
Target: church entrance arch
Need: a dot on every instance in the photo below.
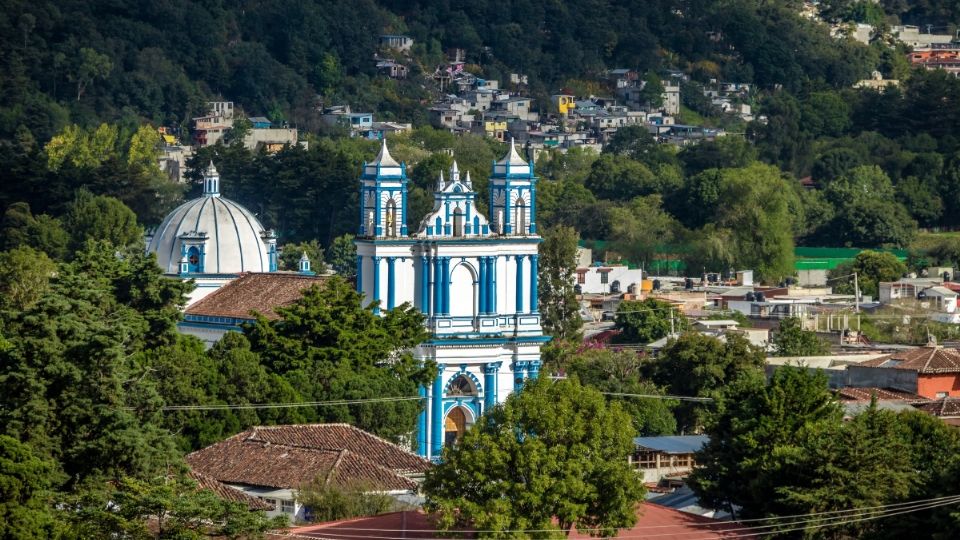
(463, 291)
(457, 422)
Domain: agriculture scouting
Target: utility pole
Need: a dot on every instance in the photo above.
(672, 331)
(856, 294)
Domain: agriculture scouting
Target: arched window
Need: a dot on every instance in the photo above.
(391, 217)
(521, 221)
(193, 258)
(461, 386)
(458, 222)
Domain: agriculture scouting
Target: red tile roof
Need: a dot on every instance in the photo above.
(883, 394)
(925, 360)
(228, 493)
(254, 291)
(292, 456)
(657, 521)
(945, 407)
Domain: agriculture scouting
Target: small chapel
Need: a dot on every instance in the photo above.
(474, 277)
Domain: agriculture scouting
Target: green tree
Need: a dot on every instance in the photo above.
(871, 268)
(792, 340)
(90, 66)
(551, 458)
(640, 227)
(643, 321)
(559, 307)
(757, 435)
(621, 372)
(652, 91)
(93, 217)
(703, 366)
(144, 150)
(24, 277)
(638, 144)
(342, 256)
(290, 256)
(331, 502)
(329, 347)
(27, 481)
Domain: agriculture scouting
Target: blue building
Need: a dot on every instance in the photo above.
(474, 278)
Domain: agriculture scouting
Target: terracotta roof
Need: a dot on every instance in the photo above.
(929, 359)
(883, 394)
(652, 519)
(946, 407)
(228, 493)
(254, 291)
(292, 456)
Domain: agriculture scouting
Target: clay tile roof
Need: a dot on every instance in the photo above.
(883, 394)
(929, 359)
(946, 407)
(227, 493)
(292, 456)
(260, 292)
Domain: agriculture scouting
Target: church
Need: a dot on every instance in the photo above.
(473, 277)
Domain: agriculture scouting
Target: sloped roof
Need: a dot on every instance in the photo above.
(673, 444)
(227, 493)
(928, 360)
(254, 291)
(883, 394)
(292, 456)
(653, 520)
(946, 407)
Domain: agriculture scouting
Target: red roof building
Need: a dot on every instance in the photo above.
(657, 521)
(931, 371)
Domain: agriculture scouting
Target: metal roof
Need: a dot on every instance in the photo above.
(673, 444)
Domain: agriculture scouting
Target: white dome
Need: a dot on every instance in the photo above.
(233, 240)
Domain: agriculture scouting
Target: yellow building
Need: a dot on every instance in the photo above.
(564, 103)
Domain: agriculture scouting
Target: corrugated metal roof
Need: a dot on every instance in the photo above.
(673, 444)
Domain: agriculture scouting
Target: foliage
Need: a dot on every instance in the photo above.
(644, 321)
(342, 256)
(559, 307)
(703, 366)
(92, 217)
(290, 255)
(792, 340)
(27, 481)
(328, 502)
(554, 451)
(329, 347)
(871, 268)
(623, 372)
(24, 277)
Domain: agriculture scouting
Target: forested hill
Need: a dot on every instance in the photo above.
(127, 61)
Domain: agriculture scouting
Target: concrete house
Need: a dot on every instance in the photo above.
(931, 371)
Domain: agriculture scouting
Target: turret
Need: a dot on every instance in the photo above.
(513, 195)
(383, 196)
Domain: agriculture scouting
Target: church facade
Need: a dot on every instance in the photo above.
(473, 277)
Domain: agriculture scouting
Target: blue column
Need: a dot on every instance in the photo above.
(507, 224)
(533, 209)
(422, 423)
(391, 282)
(492, 273)
(519, 374)
(446, 285)
(363, 210)
(376, 282)
(534, 299)
(424, 285)
(360, 274)
(403, 210)
(436, 416)
(519, 259)
(483, 285)
(490, 385)
(437, 283)
(533, 369)
(376, 224)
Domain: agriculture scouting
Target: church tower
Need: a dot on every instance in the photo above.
(474, 279)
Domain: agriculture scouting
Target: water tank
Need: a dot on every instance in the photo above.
(922, 295)
(615, 287)
(688, 284)
(946, 276)
(758, 296)
(656, 284)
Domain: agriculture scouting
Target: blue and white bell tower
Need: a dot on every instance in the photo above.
(474, 279)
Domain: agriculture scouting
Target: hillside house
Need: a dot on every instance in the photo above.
(930, 371)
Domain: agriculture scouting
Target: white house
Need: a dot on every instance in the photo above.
(613, 279)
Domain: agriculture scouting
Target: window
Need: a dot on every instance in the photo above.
(458, 222)
(193, 258)
(461, 386)
(941, 395)
(604, 277)
(272, 502)
(286, 506)
(521, 216)
(581, 278)
(391, 217)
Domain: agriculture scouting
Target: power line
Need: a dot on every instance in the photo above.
(223, 407)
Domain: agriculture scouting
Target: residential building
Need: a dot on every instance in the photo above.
(273, 463)
(946, 409)
(211, 240)
(913, 37)
(210, 128)
(392, 69)
(228, 307)
(930, 371)
(260, 122)
(665, 456)
(396, 42)
(474, 278)
(607, 279)
(271, 140)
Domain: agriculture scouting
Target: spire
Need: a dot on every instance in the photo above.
(304, 263)
(211, 181)
(384, 159)
(512, 157)
(440, 183)
(454, 172)
(467, 182)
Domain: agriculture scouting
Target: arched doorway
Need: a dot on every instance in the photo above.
(458, 222)
(455, 426)
(521, 221)
(391, 217)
